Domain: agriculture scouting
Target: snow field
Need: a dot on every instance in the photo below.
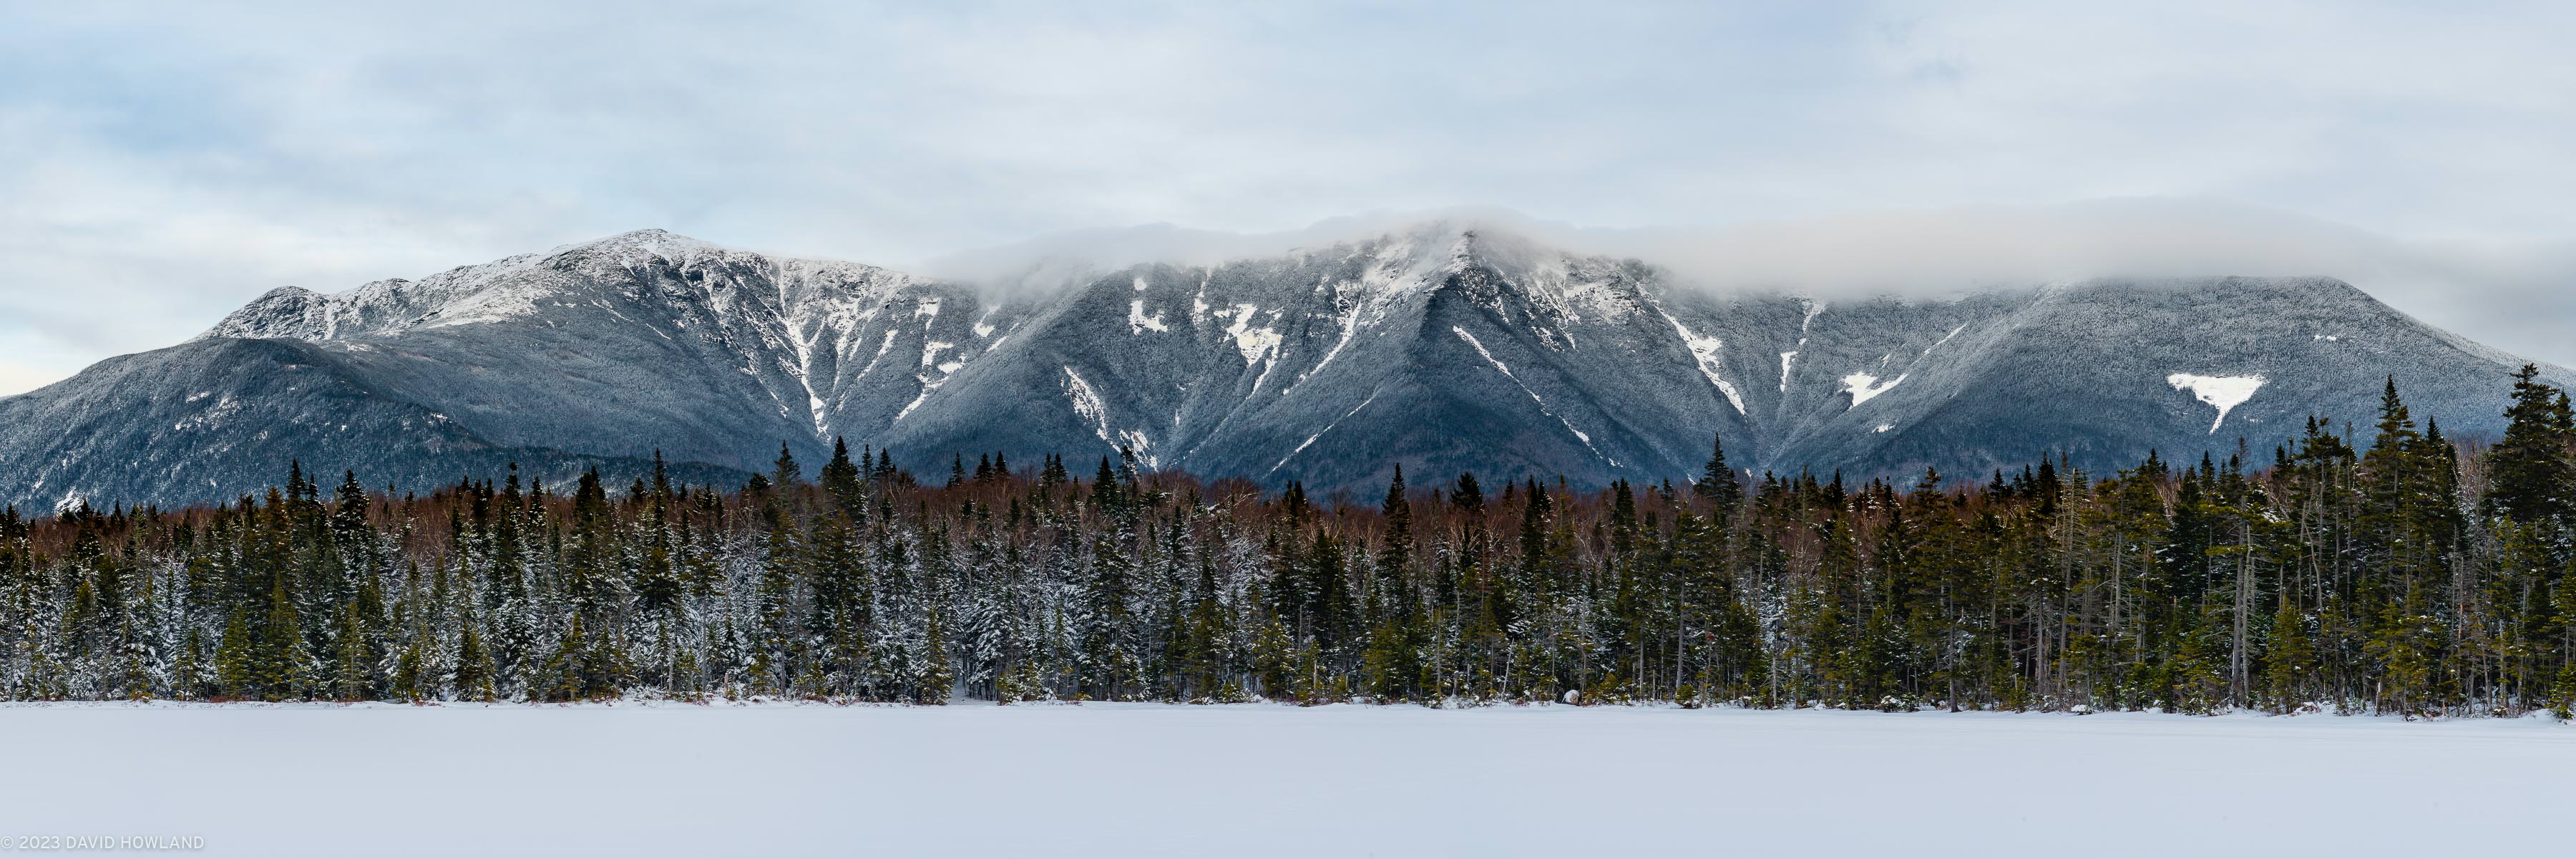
(1271, 780)
(2224, 392)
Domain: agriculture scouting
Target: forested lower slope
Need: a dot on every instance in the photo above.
(2389, 573)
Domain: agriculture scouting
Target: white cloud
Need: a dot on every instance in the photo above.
(2522, 305)
(161, 165)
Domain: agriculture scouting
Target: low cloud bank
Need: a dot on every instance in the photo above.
(2520, 297)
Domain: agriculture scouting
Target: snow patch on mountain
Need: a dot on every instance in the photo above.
(814, 405)
(2224, 392)
(1138, 322)
(1086, 403)
(1135, 440)
(1863, 386)
(1252, 343)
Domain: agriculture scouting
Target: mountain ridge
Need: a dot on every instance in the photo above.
(1447, 346)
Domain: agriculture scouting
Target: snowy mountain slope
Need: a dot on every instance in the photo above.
(1453, 350)
(1443, 346)
(214, 419)
(2107, 371)
(720, 354)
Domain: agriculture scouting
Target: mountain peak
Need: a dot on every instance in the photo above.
(652, 242)
(284, 311)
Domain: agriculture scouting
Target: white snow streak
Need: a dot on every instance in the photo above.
(1350, 325)
(803, 371)
(1586, 438)
(1086, 403)
(883, 347)
(927, 386)
(1706, 351)
(1301, 446)
(1135, 440)
(1489, 356)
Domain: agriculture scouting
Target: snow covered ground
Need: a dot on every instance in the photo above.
(1262, 780)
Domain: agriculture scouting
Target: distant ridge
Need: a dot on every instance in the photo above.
(1448, 346)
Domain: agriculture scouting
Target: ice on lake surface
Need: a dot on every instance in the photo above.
(1275, 780)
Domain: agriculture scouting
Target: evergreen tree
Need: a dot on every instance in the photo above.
(784, 473)
(281, 666)
(840, 479)
(1717, 482)
(2531, 471)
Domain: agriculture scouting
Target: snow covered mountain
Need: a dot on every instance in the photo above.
(1445, 347)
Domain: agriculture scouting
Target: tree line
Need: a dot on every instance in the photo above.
(2404, 573)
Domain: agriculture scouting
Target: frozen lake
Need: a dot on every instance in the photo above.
(1267, 780)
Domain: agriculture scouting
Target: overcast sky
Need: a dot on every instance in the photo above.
(161, 165)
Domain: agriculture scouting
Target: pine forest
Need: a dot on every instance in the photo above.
(2385, 569)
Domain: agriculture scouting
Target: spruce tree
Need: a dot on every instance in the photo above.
(1104, 489)
(2532, 470)
(353, 678)
(282, 666)
(784, 472)
(1717, 482)
(236, 662)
